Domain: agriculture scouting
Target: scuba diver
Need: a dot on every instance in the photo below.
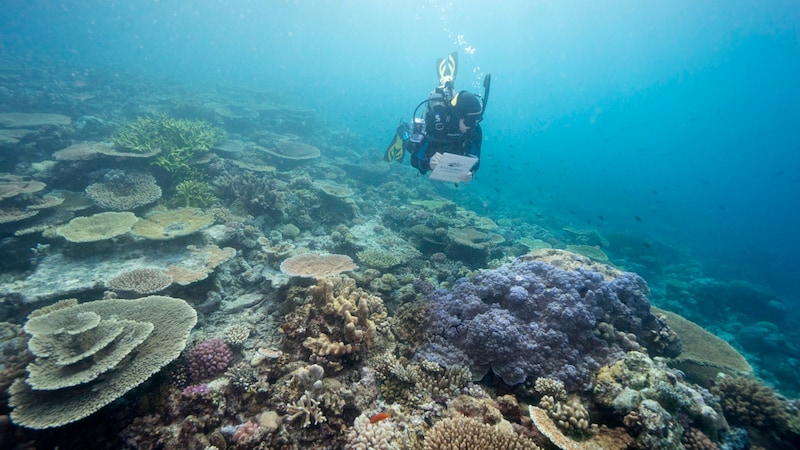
(450, 124)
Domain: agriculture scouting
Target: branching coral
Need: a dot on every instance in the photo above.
(179, 140)
(337, 319)
(306, 410)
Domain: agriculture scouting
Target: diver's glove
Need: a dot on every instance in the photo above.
(435, 160)
(466, 177)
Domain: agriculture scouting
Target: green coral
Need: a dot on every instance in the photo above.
(193, 193)
(179, 140)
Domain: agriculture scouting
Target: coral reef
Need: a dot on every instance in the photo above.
(531, 319)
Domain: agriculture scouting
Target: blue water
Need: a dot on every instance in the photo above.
(677, 122)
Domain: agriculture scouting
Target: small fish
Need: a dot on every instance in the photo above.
(380, 416)
(638, 219)
(601, 218)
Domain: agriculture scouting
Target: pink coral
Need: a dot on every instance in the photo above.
(246, 431)
(208, 358)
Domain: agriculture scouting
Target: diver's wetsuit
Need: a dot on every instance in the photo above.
(443, 136)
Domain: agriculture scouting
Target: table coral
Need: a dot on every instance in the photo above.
(121, 191)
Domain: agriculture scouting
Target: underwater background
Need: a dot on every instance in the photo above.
(682, 114)
(665, 134)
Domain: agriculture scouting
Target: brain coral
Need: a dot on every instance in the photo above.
(89, 354)
(97, 227)
(317, 266)
(533, 319)
(123, 191)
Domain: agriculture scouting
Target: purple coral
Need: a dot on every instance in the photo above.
(195, 390)
(531, 319)
(208, 358)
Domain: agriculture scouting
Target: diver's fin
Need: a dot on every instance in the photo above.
(446, 69)
(395, 151)
(487, 83)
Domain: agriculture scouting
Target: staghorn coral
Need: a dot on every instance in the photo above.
(317, 266)
(307, 410)
(121, 191)
(146, 280)
(179, 140)
(93, 353)
(193, 193)
(747, 402)
(98, 227)
(463, 433)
